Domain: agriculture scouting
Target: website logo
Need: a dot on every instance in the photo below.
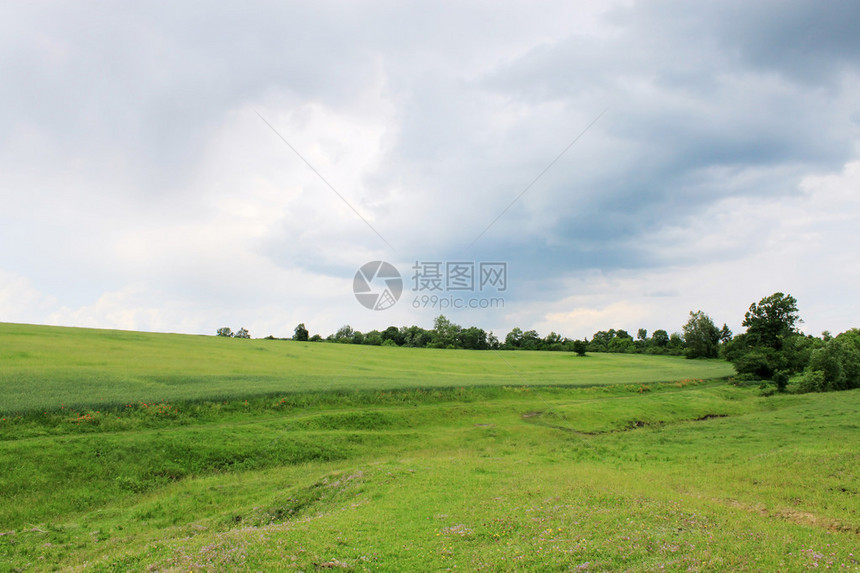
(377, 285)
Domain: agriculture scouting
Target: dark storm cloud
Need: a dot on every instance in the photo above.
(810, 42)
(700, 95)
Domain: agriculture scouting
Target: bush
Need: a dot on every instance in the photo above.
(755, 364)
(811, 381)
(780, 379)
(839, 365)
(835, 365)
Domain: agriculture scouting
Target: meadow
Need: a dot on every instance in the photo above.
(143, 452)
(49, 367)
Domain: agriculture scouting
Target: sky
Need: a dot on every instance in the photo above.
(179, 167)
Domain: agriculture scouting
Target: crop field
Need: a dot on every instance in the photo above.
(49, 367)
(125, 451)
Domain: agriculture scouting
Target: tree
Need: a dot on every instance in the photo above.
(772, 320)
(372, 338)
(393, 333)
(553, 341)
(771, 343)
(701, 336)
(242, 333)
(580, 346)
(642, 334)
(344, 334)
(225, 331)
(725, 334)
(473, 338)
(445, 332)
(660, 338)
(622, 342)
(514, 339)
(676, 343)
(301, 333)
(531, 340)
(553, 338)
(416, 337)
(835, 365)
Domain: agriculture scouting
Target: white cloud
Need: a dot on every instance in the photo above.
(139, 188)
(804, 245)
(19, 300)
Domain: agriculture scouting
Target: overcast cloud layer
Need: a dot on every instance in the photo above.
(140, 188)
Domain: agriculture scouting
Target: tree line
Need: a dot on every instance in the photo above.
(774, 350)
(771, 350)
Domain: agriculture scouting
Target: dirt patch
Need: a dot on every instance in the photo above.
(333, 564)
(799, 517)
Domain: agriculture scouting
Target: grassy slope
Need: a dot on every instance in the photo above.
(46, 367)
(684, 476)
(512, 480)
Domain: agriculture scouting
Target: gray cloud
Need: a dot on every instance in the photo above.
(130, 148)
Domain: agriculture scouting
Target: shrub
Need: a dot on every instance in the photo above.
(754, 364)
(780, 379)
(811, 381)
(835, 365)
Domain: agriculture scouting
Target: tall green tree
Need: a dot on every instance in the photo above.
(772, 347)
(772, 320)
(473, 338)
(393, 334)
(531, 340)
(344, 334)
(301, 333)
(725, 334)
(660, 338)
(701, 336)
(514, 339)
(445, 332)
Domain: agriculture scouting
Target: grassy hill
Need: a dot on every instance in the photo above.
(521, 472)
(45, 367)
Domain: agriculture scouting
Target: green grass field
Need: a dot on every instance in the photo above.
(48, 367)
(272, 455)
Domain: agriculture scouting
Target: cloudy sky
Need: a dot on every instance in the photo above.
(147, 179)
